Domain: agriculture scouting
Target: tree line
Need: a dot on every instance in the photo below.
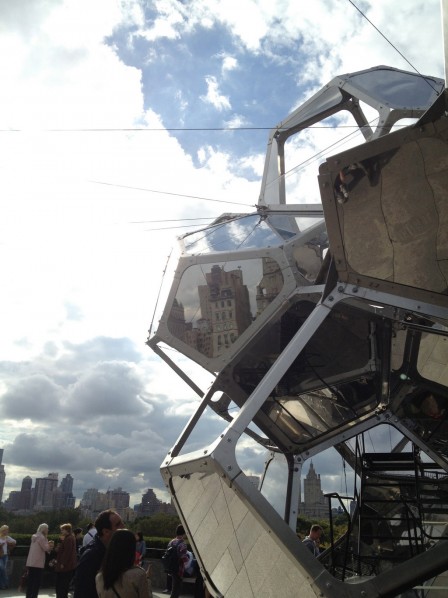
(160, 527)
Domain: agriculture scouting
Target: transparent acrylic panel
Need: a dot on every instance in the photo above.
(230, 234)
(309, 257)
(397, 88)
(216, 303)
(309, 415)
(334, 134)
(274, 481)
(298, 409)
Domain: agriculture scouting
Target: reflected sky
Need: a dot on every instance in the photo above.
(242, 232)
(251, 231)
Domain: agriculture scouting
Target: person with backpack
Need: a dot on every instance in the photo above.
(175, 559)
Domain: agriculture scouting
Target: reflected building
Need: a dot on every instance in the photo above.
(270, 285)
(212, 319)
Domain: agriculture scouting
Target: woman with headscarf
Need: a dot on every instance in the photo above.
(65, 560)
(36, 559)
(119, 577)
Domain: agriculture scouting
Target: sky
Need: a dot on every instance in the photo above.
(122, 122)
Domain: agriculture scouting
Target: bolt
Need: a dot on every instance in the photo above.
(355, 289)
(229, 468)
(331, 298)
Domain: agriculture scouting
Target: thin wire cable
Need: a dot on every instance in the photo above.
(162, 129)
(147, 230)
(158, 294)
(236, 203)
(169, 220)
(394, 47)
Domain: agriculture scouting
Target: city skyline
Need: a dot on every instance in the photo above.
(48, 495)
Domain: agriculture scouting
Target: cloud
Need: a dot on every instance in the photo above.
(214, 97)
(36, 398)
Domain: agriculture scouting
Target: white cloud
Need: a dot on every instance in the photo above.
(213, 96)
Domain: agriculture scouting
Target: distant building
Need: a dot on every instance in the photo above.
(151, 505)
(63, 496)
(93, 502)
(314, 504)
(118, 499)
(2, 475)
(43, 492)
(26, 493)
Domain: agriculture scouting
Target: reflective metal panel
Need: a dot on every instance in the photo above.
(238, 553)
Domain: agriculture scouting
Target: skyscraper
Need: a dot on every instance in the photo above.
(43, 492)
(2, 475)
(314, 504)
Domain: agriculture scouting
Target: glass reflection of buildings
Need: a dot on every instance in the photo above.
(224, 308)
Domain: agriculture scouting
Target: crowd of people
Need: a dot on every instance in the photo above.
(105, 562)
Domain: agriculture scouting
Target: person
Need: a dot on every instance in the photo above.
(35, 561)
(140, 550)
(6, 543)
(313, 539)
(90, 534)
(89, 564)
(176, 578)
(65, 560)
(119, 576)
(78, 538)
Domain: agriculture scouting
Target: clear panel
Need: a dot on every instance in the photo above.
(275, 480)
(216, 303)
(310, 256)
(293, 413)
(303, 417)
(398, 89)
(232, 233)
(397, 349)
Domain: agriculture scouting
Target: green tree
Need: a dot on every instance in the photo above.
(161, 525)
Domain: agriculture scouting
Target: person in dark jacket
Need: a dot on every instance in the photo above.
(89, 564)
(65, 560)
(181, 547)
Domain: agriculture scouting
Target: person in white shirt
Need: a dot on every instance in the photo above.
(91, 533)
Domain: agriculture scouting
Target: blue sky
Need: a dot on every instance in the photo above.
(92, 91)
